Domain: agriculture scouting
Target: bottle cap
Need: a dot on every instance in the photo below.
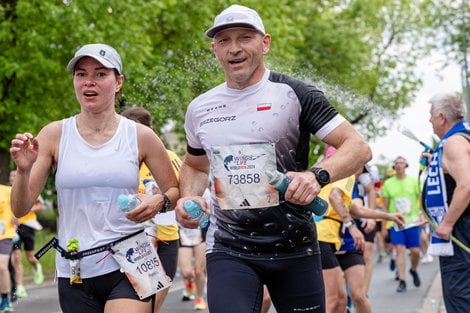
(123, 199)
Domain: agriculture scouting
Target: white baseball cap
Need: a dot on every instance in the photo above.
(236, 16)
(104, 54)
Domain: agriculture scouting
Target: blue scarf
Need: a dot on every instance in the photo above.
(436, 194)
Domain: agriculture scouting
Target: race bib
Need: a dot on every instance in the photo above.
(141, 264)
(240, 180)
(403, 205)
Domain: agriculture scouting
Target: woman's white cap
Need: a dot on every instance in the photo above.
(104, 54)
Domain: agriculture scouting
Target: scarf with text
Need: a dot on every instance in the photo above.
(436, 194)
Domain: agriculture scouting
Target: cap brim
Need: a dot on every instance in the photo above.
(211, 32)
(73, 62)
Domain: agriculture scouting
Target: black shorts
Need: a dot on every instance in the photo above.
(27, 235)
(378, 226)
(168, 253)
(328, 258)
(387, 237)
(91, 296)
(347, 259)
(235, 285)
(369, 237)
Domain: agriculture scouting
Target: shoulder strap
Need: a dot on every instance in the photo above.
(464, 134)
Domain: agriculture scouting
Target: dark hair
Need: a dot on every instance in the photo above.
(138, 114)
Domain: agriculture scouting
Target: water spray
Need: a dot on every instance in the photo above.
(408, 133)
(424, 160)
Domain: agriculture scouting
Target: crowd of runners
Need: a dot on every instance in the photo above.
(262, 247)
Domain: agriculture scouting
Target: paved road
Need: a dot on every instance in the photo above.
(43, 299)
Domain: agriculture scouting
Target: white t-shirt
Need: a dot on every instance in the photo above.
(280, 111)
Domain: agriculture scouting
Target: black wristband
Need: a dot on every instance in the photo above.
(166, 204)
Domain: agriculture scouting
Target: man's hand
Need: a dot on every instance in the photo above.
(303, 188)
(398, 218)
(368, 225)
(444, 230)
(358, 237)
(183, 218)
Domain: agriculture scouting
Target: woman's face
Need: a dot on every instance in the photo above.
(95, 85)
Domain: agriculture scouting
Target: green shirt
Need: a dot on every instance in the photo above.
(403, 196)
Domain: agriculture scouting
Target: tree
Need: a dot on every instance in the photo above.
(351, 44)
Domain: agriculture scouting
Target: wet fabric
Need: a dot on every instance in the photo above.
(280, 110)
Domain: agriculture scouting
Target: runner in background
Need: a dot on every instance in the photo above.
(7, 231)
(365, 181)
(166, 241)
(401, 194)
(26, 233)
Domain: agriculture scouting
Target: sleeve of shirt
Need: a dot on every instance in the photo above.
(318, 115)
(194, 146)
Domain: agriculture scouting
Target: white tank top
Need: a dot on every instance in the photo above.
(88, 180)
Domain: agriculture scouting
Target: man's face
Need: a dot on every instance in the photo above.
(240, 51)
(437, 121)
(400, 166)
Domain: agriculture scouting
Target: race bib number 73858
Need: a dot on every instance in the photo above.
(240, 179)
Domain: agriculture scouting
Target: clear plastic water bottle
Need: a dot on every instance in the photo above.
(281, 181)
(127, 202)
(194, 209)
(149, 184)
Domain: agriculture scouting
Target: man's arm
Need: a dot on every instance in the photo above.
(371, 195)
(352, 152)
(337, 203)
(386, 204)
(193, 181)
(358, 211)
(456, 161)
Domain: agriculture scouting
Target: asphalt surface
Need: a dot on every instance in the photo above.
(425, 299)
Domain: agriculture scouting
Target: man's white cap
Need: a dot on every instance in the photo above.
(236, 16)
(104, 54)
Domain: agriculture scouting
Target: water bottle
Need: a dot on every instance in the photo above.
(127, 202)
(281, 181)
(149, 185)
(194, 209)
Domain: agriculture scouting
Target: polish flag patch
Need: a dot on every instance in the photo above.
(263, 107)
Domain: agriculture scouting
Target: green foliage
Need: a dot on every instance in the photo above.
(361, 52)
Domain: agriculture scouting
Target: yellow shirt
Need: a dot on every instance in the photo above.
(167, 232)
(6, 214)
(328, 228)
(31, 216)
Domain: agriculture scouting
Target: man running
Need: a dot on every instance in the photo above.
(257, 122)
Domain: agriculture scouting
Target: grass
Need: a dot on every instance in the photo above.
(47, 260)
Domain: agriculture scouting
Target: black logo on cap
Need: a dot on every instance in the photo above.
(102, 52)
